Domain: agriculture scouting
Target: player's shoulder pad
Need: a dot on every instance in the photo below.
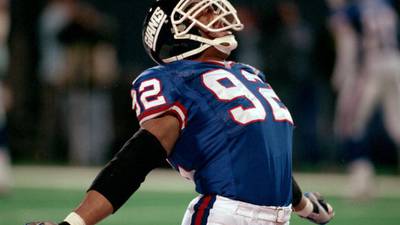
(159, 72)
(253, 70)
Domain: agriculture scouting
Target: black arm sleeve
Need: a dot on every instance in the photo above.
(296, 192)
(122, 176)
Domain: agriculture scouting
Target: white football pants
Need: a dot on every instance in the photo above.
(217, 210)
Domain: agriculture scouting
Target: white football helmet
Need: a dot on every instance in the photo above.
(172, 29)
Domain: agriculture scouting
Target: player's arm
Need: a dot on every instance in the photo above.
(122, 176)
(311, 205)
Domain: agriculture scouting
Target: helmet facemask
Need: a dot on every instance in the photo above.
(186, 25)
(186, 12)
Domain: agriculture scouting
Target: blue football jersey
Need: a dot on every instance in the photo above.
(236, 135)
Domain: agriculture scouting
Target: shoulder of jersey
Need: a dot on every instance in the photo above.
(252, 70)
(165, 70)
(153, 72)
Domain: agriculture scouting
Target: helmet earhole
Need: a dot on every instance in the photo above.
(181, 27)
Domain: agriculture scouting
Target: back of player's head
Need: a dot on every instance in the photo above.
(172, 29)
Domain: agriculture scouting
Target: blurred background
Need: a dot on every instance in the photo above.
(66, 67)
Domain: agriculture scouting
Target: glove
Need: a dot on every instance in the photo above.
(317, 210)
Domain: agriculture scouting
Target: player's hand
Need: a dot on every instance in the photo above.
(42, 223)
(322, 212)
(316, 209)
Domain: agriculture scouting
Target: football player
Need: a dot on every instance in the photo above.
(367, 78)
(217, 122)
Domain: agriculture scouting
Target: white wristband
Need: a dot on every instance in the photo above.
(307, 210)
(74, 219)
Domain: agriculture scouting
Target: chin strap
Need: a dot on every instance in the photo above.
(187, 54)
(224, 44)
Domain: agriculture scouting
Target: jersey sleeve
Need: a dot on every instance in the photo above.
(154, 94)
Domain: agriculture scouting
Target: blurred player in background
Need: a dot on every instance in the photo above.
(217, 122)
(5, 100)
(78, 68)
(54, 17)
(367, 78)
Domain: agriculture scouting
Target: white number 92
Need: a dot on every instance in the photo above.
(212, 80)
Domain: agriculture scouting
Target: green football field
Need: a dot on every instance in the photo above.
(166, 208)
(50, 193)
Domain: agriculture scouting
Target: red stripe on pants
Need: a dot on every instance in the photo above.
(201, 209)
